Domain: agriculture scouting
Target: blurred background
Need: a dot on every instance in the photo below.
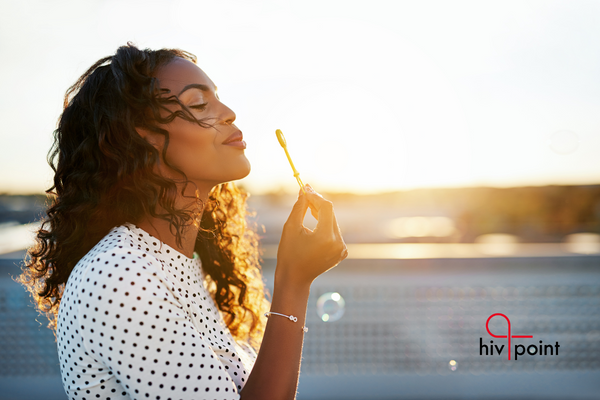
(458, 140)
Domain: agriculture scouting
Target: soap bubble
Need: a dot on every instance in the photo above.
(453, 365)
(330, 306)
(563, 142)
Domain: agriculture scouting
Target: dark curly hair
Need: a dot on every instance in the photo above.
(103, 177)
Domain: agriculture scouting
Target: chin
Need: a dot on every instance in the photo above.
(246, 171)
(241, 171)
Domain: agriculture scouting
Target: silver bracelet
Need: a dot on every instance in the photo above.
(290, 317)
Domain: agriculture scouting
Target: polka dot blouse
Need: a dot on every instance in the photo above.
(137, 322)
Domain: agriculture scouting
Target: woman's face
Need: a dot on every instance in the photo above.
(208, 156)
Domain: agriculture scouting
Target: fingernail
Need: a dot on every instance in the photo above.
(309, 188)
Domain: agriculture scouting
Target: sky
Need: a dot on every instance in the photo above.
(371, 96)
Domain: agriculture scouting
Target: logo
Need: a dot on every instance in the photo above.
(520, 350)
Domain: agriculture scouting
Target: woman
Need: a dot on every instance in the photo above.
(145, 264)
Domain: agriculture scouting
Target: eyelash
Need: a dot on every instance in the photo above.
(199, 106)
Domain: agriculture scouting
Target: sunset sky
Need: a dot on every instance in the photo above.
(371, 96)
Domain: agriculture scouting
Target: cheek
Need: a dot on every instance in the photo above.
(191, 146)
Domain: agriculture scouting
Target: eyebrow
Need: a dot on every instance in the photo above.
(196, 86)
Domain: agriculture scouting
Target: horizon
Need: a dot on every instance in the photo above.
(281, 191)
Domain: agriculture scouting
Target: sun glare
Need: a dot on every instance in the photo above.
(370, 120)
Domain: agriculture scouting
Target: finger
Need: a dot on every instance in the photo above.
(325, 212)
(345, 252)
(314, 212)
(315, 207)
(298, 211)
(336, 229)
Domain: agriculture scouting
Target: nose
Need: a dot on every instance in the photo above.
(227, 115)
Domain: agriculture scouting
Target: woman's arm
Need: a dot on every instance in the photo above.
(275, 372)
(302, 256)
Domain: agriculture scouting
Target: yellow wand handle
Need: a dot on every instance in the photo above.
(283, 144)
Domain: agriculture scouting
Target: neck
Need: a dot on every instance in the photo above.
(161, 229)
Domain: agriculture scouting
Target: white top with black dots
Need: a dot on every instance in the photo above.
(136, 321)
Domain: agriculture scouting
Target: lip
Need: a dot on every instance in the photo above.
(238, 143)
(234, 137)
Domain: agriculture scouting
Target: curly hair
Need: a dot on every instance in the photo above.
(104, 177)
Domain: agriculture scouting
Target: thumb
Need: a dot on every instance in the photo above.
(298, 211)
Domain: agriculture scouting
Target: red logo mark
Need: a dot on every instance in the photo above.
(509, 336)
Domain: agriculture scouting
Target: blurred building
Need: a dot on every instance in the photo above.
(531, 214)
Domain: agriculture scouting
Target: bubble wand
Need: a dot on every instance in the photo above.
(283, 144)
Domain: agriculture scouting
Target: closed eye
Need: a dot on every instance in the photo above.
(199, 106)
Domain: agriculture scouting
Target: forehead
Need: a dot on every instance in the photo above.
(181, 72)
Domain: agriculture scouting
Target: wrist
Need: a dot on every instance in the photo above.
(290, 283)
(288, 292)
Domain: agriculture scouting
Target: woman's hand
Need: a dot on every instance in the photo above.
(303, 254)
